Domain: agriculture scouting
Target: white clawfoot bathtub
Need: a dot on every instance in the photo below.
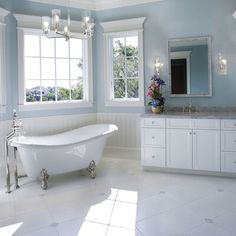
(63, 152)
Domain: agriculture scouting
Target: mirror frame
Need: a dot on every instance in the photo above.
(190, 39)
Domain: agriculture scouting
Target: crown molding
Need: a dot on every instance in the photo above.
(123, 25)
(95, 5)
(35, 22)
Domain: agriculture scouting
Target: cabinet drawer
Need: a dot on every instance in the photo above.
(228, 124)
(154, 137)
(153, 157)
(228, 140)
(228, 162)
(179, 123)
(153, 122)
(206, 124)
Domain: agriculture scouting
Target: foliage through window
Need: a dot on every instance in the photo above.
(125, 68)
(53, 69)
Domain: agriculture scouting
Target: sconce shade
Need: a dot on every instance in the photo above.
(234, 15)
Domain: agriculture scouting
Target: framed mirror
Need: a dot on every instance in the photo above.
(190, 67)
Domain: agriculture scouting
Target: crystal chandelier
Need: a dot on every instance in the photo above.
(54, 27)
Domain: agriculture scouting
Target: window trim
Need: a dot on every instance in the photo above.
(123, 28)
(23, 27)
(3, 14)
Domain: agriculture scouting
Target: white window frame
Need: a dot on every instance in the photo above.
(32, 25)
(122, 28)
(3, 14)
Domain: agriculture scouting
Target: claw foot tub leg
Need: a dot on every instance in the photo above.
(91, 169)
(44, 179)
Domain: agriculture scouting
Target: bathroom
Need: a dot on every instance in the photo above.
(126, 197)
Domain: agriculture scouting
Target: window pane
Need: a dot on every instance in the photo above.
(76, 69)
(119, 47)
(119, 68)
(131, 67)
(131, 46)
(62, 68)
(32, 89)
(48, 90)
(31, 45)
(48, 68)
(63, 91)
(76, 89)
(132, 88)
(119, 88)
(32, 68)
(47, 47)
(76, 48)
(62, 48)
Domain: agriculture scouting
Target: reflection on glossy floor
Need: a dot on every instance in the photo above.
(122, 201)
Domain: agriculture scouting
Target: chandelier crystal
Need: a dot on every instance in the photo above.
(54, 27)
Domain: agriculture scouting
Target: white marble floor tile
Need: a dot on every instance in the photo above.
(48, 231)
(227, 221)
(124, 215)
(122, 200)
(171, 223)
(206, 230)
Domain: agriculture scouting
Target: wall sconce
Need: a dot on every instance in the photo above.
(158, 66)
(234, 15)
(222, 65)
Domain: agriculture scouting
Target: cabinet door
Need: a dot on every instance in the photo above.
(179, 148)
(206, 150)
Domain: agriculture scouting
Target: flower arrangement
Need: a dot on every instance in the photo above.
(154, 91)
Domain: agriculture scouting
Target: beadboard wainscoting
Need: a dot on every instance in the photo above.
(123, 144)
(126, 142)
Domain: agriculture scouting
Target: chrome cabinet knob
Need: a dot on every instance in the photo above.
(153, 156)
(153, 137)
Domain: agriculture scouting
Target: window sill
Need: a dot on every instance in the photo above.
(54, 105)
(123, 103)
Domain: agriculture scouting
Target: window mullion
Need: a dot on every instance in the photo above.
(55, 67)
(126, 89)
(70, 89)
(40, 65)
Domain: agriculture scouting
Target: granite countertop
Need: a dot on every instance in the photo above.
(192, 115)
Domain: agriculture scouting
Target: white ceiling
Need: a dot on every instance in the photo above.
(95, 4)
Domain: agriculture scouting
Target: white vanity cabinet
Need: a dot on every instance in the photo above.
(228, 146)
(153, 142)
(193, 144)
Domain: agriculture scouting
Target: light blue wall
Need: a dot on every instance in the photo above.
(176, 19)
(165, 19)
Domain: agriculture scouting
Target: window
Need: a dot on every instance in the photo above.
(124, 62)
(53, 73)
(53, 69)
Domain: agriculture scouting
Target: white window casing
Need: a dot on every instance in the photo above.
(123, 28)
(32, 25)
(3, 14)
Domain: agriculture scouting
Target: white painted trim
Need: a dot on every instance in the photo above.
(184, 55)
(133, 24)
(34, 22)
(88, 92)
(2, 70)
(94, 5)
(131, 27)
(124, 103)
(54, 105)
